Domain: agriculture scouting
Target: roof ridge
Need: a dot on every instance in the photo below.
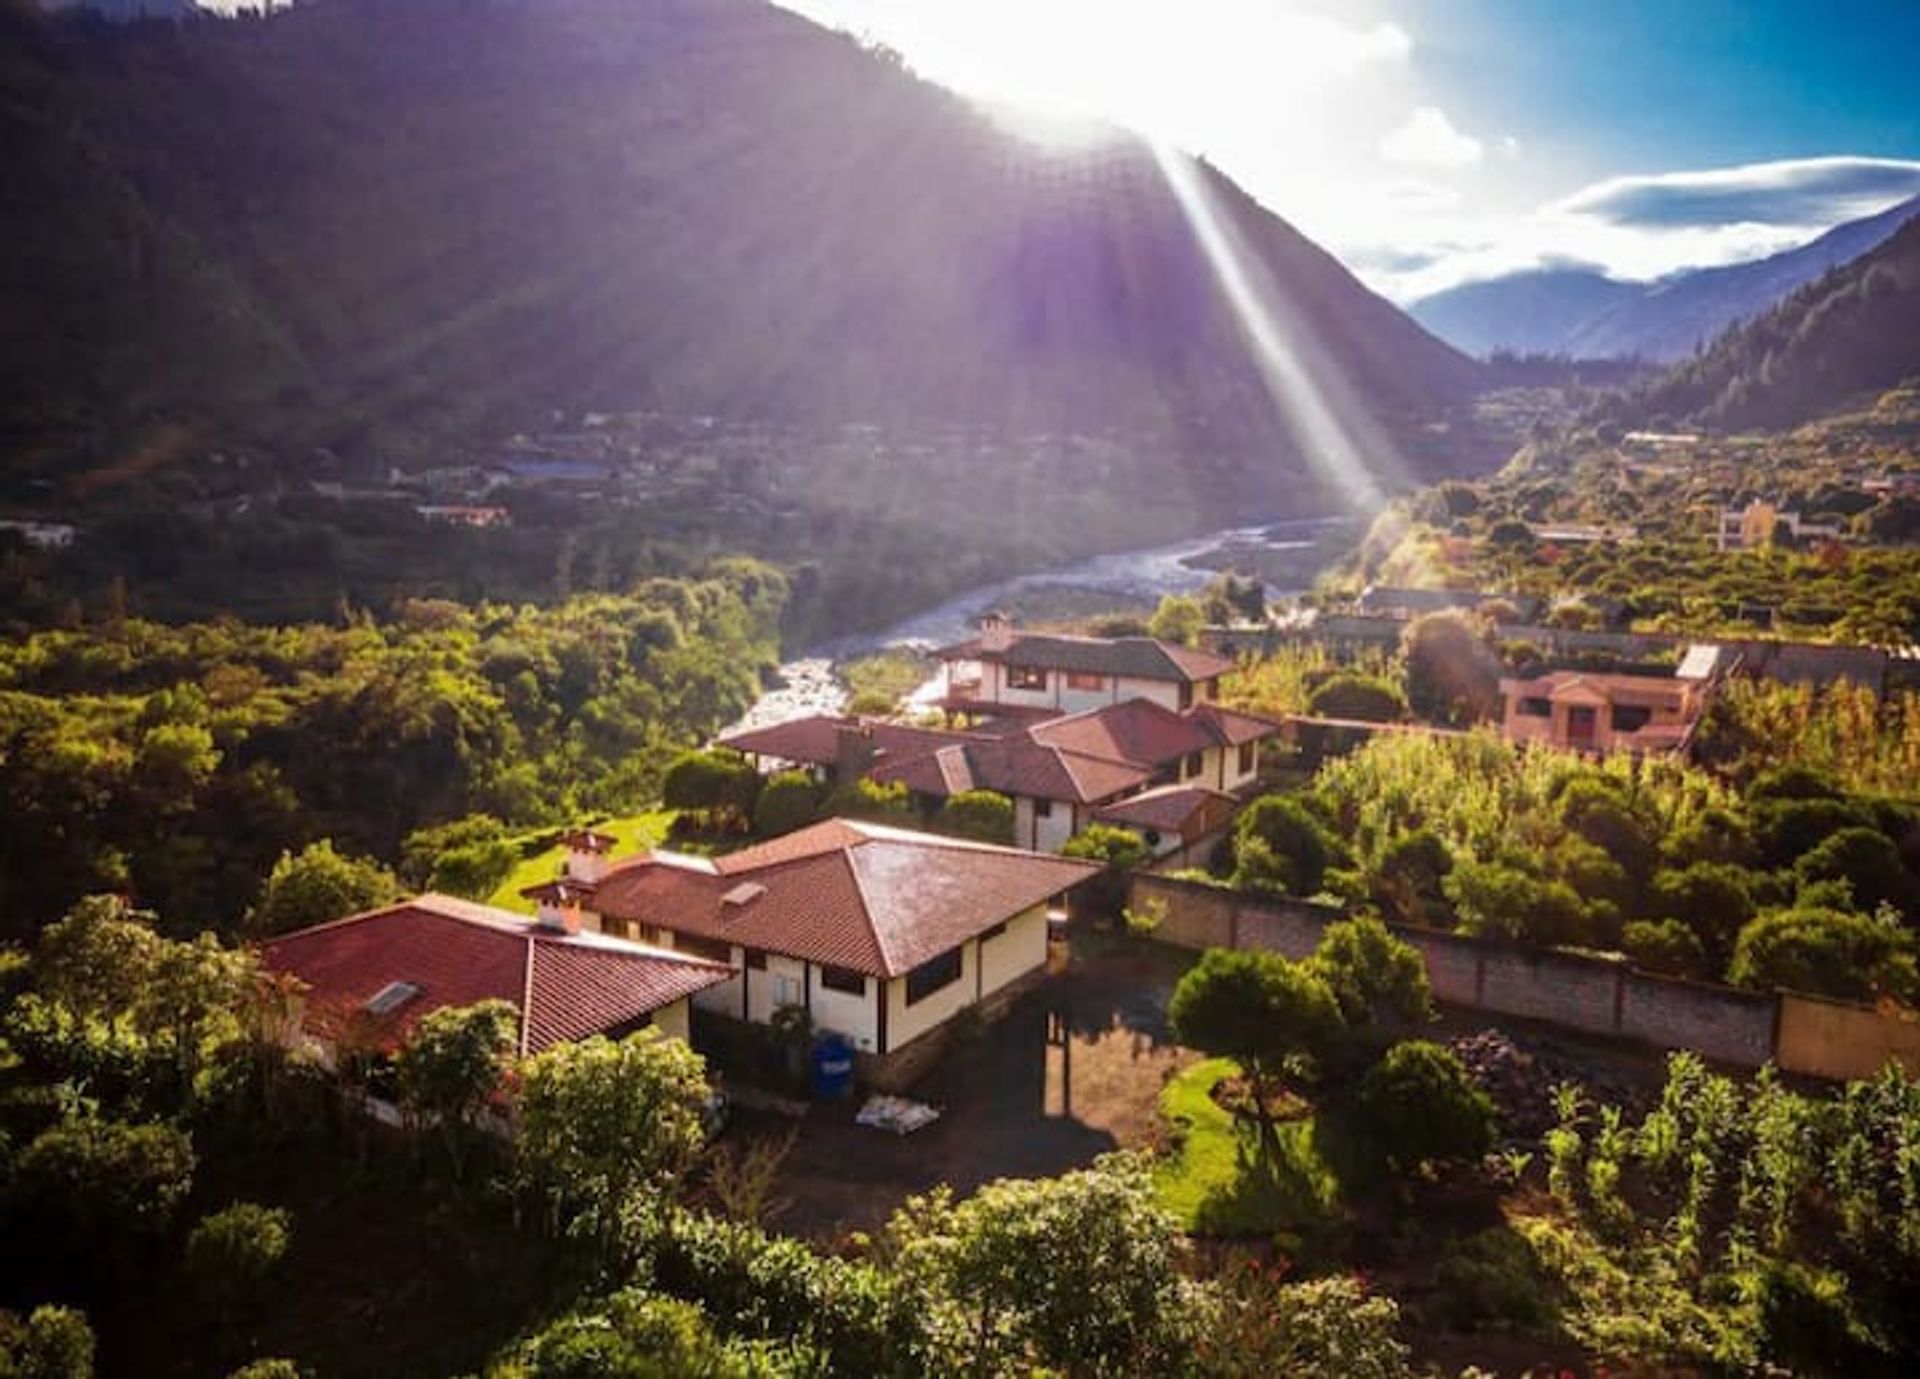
(866, 913)
(526, 995)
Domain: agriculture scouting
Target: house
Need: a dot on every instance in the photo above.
(881, 935)
(1744, 528)
(1591, 712)
(462, 515)
(1172, 818)
(45, 536)
(1004, 672)
(1058, 771)
(372, 976)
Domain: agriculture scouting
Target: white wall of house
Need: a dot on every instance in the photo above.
(1070, 693)
(856, 1018)
(673, 1019)
(782, 982)
(907, 1022)
(1037, 834)
(1014, 953)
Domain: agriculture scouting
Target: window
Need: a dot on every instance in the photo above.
(1536, 708)
(1186, 696)
(1247, 754)
(1043, 809)
(935, 974)
(712, 949)
(995, 931)
(1026, 678)
(843, 979)
(1631, 718)
(391, 997)
(1080, 681)
(756, 960)
(786, 991)
(1195, 764)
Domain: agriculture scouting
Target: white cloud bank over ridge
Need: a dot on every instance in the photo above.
(1428, 137)
(1643, 227)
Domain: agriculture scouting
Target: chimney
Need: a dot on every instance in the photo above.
(562, 909)
(996, 631)
(586, 855)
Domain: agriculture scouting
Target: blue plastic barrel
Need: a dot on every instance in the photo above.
(832, 1067)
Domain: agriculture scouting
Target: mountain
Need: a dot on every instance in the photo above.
(1587, 315)
(1534, 312)
(357, 215)
(1853, 332)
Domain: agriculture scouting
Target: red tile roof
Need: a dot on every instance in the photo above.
(565, 986)
(1171, 808)
(821, 739)
(857, 895)
(1138, 658)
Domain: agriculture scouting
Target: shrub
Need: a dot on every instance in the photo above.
(866, 799)
(1711, 899)
(1827, 953)
(1256, 1008)
(1329, 1328)
(1496, 899)
(1369, 698)
(1494, 1279)
(318, 884)
(789, 800)
(103, 1178)
(271, 1368)
(1790, 828)
(1453, 676)
(633, 1335)
(1665, 946)
(1281, 847)
(983, 815)
(1119, 850)
(52, 1343)
(1421, 1107)
(231, 1252)
(1867, 861)
(1371, 973)
(715, 782)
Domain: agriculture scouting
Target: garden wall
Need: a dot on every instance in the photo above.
(1594, 995)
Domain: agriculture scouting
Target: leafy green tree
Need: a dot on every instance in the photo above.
(231, 1252)
(1328, 1328)
(95, 1180)
(1178, 619)
(1368, 698)
(714, 782)
(1867, 861)
(1502, 901)
(319, 884)
(50, 1343)
(789, 800)
(609, 1129)
(635, 1335)
(1825, 952)
(1113, 1304)
(870, 800)
(1260, 1010)
(1421, 1107)
(1373, 974)
(452, 1066)
(1666, 946)
(1453, 676)
(986, 816)
(1120, 850)
(1409, 882)
(1280, 846)
(1710, 899)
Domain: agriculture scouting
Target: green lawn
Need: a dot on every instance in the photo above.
(1219, 1180)
(631, 834)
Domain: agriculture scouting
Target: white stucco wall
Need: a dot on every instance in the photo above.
(906, 1022)
(673, 1019)
(1042, 835)
(1016, 952)
(781, 982)
(855, 1018)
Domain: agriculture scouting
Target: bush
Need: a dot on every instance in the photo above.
(1119, 850)
(1824, 952)
(1712, 900)
(869, 800)
(1421, 1107)
(1494, 1279)
(52, 1343)
(634, 1335)
(789, 800)
(272, 1368)
(1867, 861)
(1329, 1328)
(1280, 847)
(1368, 698)
(318, 884)
(1453, 676)
(100, 1178)
(1665, 946)
(1504, 902)
(1372, 973)
(231, 1252)
(715, 782)
(982, 815)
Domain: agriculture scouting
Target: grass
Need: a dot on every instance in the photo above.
(631, 834)
(1219, 1180)
(888, 676)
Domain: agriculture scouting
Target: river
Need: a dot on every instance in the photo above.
(1121, 580)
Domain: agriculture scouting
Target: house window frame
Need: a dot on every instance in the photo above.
(1085, 680)
(1042, 809)
(935, 975)
(844, 980)
(1026, 678)
(1249, 758)
(712, 949)
(1194, 765)
(1533, 706)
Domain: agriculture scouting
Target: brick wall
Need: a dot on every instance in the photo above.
(1718, 1022)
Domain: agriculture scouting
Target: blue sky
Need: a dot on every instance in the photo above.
(1428, 141)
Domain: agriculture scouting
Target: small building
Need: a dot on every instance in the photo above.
(1585, 711)
(371, 977)
(1002, 671)
(463, 515)
(1174, 818)
(881, 935)
(1752, 526)
(45, 536)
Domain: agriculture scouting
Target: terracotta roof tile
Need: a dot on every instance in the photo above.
(565, 986)
(874, 899)
(1170, 808)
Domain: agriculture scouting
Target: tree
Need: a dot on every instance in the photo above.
(319, 884)
(1824, 952)
(51, 1343)
(1709, 899)
(1111, 1300)
(983, 815)
(1372, 973)
(789, 800)
(1258, 1009)
(99, 1179)
(1120, 850)
(1329, 1328)
(1665, 946)
(1421, 1107)
(634, 1335)
(231, 1252)
(609, 1129)
(1500, 900)
(452, 1066)
(1868, 861)
(716, 783)
(1453, 676)
(1280, 846)
(1368, 698)
(870, 800)
(1178, 619)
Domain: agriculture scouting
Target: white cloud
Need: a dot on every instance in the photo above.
(1795, 192)
(1428, 138)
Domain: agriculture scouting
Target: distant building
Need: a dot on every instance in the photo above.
(46, 536)
(1755, 524)
(1584, 711)
(463, 515)
(1007, 672)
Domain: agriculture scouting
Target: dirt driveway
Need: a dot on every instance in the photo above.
(1072, 1072)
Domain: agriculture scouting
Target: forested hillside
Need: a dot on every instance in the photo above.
(357, 215)
(1854, 331)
